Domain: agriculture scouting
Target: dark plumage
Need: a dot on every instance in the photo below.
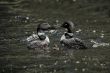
(39, 40)
(68, 39)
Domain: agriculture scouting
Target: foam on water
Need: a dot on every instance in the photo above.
(99, 44)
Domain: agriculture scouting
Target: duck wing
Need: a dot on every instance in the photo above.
(32, 41)
(34, 44)
(77, 43)
(31, 38)
(74, 43)
(39, 43)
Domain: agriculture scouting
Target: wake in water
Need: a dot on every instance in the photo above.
(98, 44)
(98, 41)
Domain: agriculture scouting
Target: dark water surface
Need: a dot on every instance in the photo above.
(18, 19)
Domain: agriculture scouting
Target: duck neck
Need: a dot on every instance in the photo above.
(69, 30)
(39, 31)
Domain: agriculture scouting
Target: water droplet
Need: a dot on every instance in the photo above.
(54, 71)
(102, 64)
(3, 70)
(65, 61)
(85, 62)
(24, 66)
(77, 62)
(50, 72)
(95, 20)
(76, 69)
(83, 59)
(102, 36)
(57, 21)
(107, 20)
(83, 69)
(25, 21)
(74, 0)
(40, 1)
(35, 65)
(27, 18)
(56, 63)
(40, 65)
(26, 32)
(57, 0)
(87, 20)
(89, 58)
(94, 31)
(95, 64)
(79, 30)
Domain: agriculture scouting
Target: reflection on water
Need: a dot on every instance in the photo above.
(18, 20)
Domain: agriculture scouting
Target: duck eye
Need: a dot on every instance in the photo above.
(66, 24)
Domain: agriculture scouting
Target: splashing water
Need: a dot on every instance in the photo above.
(99, 44)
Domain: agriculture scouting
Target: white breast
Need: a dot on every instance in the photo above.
(63, 37)
(47, 39)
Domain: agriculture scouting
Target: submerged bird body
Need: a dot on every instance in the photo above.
(39, 40)
(39, 43)
(68, 40)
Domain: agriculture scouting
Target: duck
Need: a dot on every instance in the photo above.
(39, 39)
(68, 39)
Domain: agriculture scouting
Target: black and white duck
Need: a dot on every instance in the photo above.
(40, 39)
(68, 39)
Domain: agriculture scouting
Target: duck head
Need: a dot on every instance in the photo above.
(40, 31)
(69, 25)
(43, 26)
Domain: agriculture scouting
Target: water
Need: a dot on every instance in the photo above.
(18, 20)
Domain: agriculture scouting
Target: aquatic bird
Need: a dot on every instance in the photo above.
(68, 40)
(39, 40)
